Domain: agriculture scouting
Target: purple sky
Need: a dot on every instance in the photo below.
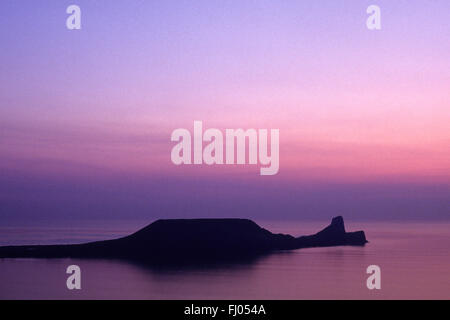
(86, 115)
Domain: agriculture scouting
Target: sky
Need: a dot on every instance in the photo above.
(86, 115)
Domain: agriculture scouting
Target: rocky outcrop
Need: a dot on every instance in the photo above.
(193, 240)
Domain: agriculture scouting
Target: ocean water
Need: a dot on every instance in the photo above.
(414, 259)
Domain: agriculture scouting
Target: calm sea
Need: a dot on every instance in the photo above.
(414, 259)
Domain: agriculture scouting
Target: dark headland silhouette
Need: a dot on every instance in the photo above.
(193, 240)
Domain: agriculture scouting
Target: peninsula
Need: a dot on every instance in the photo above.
(193, 240)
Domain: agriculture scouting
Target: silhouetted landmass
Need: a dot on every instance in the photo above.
(193, 240)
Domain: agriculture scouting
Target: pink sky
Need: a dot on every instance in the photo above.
(352, 105)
